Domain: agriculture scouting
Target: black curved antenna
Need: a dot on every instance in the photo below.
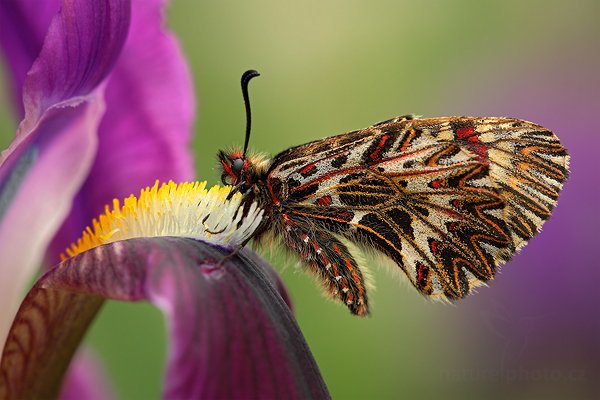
(246, 76)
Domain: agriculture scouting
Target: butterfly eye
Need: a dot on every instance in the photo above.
(237, 165)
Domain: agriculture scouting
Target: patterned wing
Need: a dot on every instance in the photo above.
(448, 199)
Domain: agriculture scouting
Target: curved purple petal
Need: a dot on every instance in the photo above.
(23, 26)
(146, 132)
(56, 142)
(232, 335)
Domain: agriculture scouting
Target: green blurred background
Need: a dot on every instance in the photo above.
(334, 66)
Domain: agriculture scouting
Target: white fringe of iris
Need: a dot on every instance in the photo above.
(184, 210)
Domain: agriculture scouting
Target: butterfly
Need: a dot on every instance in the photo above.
(447, 199)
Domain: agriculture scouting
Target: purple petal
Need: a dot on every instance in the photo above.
(232, 335)
(35, 194)
(56, 142)
(23, 26)
(81, 46)
(146, 132)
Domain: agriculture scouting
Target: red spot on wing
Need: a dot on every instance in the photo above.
(324, 201)
(463, 133)
(420, 271)
(437, 183)
(481, 150)
(473, 143)
(423, 279)
(434, 247)
(308, 169)
(375, 154)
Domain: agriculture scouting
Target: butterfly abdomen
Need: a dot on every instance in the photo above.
(328, 258)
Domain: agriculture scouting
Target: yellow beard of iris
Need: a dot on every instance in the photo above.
(183, 210)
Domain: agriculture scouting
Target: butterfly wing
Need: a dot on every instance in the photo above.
(448, 199)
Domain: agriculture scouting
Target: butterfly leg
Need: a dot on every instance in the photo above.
(330, 260)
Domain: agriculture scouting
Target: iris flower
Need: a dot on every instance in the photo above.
(107, 109)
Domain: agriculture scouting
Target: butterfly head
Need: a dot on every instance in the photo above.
(241, 171)
(234, 167)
